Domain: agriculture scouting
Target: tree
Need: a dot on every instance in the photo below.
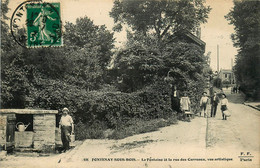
(39, 77)
(143, 63)
(137, 67)
(5, 42)
(13, 80)
(245, 17)
(162, 17)
(14, 84)
(88, 49)
(84, 34)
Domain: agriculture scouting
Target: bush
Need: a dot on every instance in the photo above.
(122, 112)
(115, 108)
(95, 131)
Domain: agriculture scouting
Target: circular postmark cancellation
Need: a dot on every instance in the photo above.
(37, 24)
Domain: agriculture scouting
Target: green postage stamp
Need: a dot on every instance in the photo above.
(43, 25)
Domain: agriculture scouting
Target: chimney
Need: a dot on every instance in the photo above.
(198, 32)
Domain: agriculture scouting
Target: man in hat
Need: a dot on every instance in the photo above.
(66, 127)
(214, 104)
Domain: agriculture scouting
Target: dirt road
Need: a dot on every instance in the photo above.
(239, 133)
(187, 144)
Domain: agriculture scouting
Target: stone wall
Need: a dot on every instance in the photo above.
(24, 139)
(41, 138)
(44, 128)
(3, 120)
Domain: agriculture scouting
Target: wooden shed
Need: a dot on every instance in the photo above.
(39, 125)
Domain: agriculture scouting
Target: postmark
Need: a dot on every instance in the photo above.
(37, 24)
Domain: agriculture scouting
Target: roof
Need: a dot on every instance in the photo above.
(191, 37)
(28, 111)
(225, 70)
(196, 39)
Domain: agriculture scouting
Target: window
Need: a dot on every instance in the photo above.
(25, 119)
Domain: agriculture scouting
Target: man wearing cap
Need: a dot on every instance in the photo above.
(214, 104)
(66, 127)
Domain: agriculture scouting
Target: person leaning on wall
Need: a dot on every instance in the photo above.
(66, 127)
(175, 99)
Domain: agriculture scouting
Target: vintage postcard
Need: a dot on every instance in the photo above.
(130, 83)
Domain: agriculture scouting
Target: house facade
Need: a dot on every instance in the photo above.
(227, 76)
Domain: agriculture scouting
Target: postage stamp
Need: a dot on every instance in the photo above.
(43, 24)
(37, 24)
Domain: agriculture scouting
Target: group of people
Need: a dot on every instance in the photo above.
(183, 104)
(235, 89)
(214, 101)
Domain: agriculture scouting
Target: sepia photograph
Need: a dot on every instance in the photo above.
(130, 84)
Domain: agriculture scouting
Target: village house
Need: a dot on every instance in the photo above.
(227, 76)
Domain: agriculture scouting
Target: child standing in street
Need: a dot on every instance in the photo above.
(224, 103)
(185, 105)
(203, 103)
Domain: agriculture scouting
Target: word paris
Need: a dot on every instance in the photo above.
(37, 24)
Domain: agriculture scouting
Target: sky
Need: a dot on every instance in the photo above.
(215, 32)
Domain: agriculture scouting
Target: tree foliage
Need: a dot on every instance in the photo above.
(73, 75)
(32, 77)
(245, 17)
(84, 34)
(142, 62)
(5, 41)
(164, 17)
(156, 49)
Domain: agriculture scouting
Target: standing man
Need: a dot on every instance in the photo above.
(66, 127)
(214, 104)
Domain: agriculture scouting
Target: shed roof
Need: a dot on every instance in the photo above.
(226, 70)
(197, 40)
(28, 111)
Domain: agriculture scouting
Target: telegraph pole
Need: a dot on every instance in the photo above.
(232, 73)
(218, 57)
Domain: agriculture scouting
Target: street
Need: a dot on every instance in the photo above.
(239, 133)
(203, 142)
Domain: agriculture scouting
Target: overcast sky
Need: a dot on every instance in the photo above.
(215, 32)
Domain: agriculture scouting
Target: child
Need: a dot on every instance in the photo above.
(224, 103)
(203, 103)
(185, 104)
